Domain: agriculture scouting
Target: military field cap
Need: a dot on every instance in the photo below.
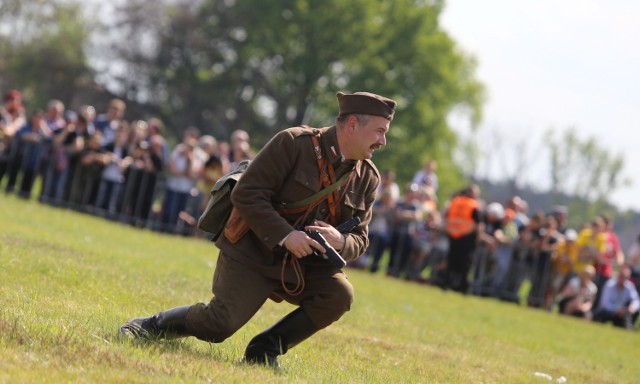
(366, 103)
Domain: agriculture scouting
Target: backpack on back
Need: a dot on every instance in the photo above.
(215, 216)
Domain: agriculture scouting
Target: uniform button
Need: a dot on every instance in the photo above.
(323, 210)
(266, 238)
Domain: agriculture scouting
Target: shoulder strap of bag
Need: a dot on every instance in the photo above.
(283, 207)
(327, 179)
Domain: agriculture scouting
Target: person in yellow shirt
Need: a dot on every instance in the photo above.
(592, 242)
(564, 260)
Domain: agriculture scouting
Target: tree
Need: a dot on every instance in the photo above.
(582, 168)
(415, 60)
(262, 66)
(42, 45)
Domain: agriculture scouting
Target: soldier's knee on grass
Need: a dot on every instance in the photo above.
(210, 326)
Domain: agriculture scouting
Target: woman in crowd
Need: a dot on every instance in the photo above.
(578, 296)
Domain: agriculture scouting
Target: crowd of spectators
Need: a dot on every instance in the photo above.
(101, 164)
(126, 171)
(532, 259)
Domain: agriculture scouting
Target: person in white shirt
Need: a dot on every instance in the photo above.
(427, 175)
(619, 302)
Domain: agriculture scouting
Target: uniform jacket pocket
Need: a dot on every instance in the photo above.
(354, 200)
(308, 178)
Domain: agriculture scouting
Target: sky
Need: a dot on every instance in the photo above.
(557, 64)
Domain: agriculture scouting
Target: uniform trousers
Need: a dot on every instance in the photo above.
(240, 290)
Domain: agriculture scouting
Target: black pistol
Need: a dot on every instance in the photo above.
(348, 225)
(331, 254)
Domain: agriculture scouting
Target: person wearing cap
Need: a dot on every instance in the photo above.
(275, 257)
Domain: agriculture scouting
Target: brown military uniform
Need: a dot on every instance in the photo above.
(249, 271)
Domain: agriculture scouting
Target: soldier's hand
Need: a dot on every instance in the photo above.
(300, 245)
(332, 235)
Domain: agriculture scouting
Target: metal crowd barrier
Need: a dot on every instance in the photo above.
(77, 187)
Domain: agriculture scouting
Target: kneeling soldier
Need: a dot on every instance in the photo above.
(265, 251)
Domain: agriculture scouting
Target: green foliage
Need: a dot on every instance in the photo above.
(263, 66)
(69, 280)
(266, 62)
(43, 50)
(419, 64)
(253, 65)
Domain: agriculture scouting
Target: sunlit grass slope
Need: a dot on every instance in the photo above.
(68, 280)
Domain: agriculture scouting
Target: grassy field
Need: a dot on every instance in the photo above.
(67, 281)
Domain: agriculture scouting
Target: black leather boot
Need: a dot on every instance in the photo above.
(163, 325)
(277, 340)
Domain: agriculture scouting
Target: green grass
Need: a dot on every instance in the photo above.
(67, 281)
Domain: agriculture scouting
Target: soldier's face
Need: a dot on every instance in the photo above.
(369, 134)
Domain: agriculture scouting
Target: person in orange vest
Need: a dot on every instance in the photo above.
(462, 226)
